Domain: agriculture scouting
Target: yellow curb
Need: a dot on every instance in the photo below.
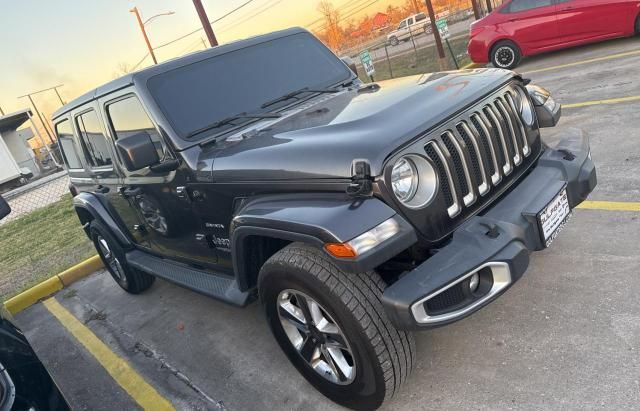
(52, 285)
(80, 270)
(471, 66)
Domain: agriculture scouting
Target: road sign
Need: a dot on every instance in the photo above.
(367, 62)
(443, 27)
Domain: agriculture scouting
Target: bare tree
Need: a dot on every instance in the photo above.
(333, 33)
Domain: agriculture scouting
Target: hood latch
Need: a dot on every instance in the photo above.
(361, 181)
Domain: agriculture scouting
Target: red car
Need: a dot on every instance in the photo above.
(519, 28)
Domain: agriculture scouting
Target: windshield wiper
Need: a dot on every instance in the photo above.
(230, 119)
(293, 94)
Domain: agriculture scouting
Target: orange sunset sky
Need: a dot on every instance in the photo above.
(83, 43)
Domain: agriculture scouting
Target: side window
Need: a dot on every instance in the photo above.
(524, 5)
(95, 143)
(67, 144)
(410, 21)
(128, 117)
(403, 24)
(420, 17)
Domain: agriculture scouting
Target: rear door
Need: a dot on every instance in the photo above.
(583, 20)
(531, 23)
(71, 153)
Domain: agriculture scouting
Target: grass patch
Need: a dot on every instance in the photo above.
(424, 61)
(39, 245)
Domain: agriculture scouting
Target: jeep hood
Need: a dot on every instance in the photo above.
(321, 138)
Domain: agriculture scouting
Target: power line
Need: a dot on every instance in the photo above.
(266, 7)
(200, 28)
(346, 5)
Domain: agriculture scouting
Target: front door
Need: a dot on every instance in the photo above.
(155, 206)
(583, 20)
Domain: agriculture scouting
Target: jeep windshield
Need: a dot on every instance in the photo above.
(254, 79)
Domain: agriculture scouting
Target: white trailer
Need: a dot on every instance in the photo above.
(13, 149)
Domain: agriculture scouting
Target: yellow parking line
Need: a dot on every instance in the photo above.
(610, 206)
(144, 394)
(593, 60)
(599, 102)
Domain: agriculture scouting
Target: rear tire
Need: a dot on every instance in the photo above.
(637, 26)
(505, 54)
(113, 256)
(378, 358)
(394, 41)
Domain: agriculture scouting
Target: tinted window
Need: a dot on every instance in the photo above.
(523, 5)
(95, 143)
(199, 94)
(128, 117)
(420, 17)
(67, 145)
(403, 24)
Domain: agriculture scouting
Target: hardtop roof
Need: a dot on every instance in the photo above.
(146, 73)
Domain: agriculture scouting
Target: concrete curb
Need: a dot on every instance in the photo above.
(472, 66)
(52, 285)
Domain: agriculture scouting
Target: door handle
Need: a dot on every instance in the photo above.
(129, 192)
(101, 189)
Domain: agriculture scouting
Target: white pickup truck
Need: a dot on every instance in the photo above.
(412, 25)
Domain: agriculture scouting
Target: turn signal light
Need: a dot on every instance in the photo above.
(340, 250)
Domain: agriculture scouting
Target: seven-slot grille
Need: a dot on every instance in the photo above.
(475, 154)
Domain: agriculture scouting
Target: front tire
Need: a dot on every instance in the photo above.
(113, 256)
(332, 327)
(505, 55)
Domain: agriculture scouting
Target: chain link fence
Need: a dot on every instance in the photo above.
(41, 236)
(416, 54)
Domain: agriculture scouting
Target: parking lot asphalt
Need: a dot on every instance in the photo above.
(566, 336)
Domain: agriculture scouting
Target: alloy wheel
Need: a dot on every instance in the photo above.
(112, 260)
(316, 336)
(505, 56)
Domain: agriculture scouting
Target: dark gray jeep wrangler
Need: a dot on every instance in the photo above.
(356, 213)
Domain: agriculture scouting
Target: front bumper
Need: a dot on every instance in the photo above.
(497, 243)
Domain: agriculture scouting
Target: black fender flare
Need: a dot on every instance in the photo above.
(317, 219)
(99, 210)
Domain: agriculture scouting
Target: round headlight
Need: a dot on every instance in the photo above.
(414, 181)
(526, 107)
(404, 179)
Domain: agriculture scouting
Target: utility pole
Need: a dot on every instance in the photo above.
(1, 112)
(202, 14)
(489, 6)
(476, 10)
(442, 58)
(144, 34)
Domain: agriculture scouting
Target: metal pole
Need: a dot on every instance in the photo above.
(59, 98)
(35, 108)
(144, 34)
(388, 61)
(455, 60)
(205, 23)
(415, 49)
(436, 34)
(46, 147)
(47, 126)
(1, 112)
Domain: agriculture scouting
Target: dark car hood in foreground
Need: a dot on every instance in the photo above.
(322, 141)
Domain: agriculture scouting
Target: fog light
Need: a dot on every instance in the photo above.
(474, 282)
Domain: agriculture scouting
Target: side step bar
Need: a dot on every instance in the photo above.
(213, 285)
